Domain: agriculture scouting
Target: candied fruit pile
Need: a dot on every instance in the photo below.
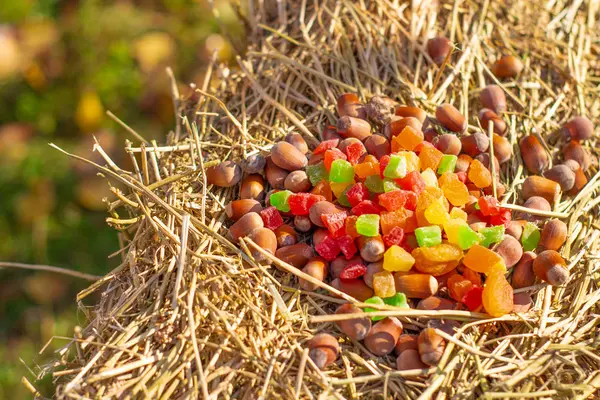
(399, 208)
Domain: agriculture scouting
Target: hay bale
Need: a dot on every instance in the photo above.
(189, 314)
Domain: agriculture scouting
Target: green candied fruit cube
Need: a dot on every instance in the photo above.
(317, 173)
(447, 164)
(530, 237)
(428, 236)
(396, 168)
(397, 300)
(374, 183)
(493, 234)
(341, 171)
(368, 225)
(279, 200)
(389, 185)
(343, 199)
(374, 300)
(467, 237)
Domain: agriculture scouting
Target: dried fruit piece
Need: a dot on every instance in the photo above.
(353, 271)
(397, 300)
(479, 174)
(428, 235)
(491, 235)
(497, 296)
(455, 191)
(481, 259)
(397, 259)
(317, 173)
(374, 300)
(394, 237)
(408, 138)
(328, 248)
(473, 299)
(271, 218)
(335, 223)
(368, 225)
(301, 203)
(430, 157)
(355, 151)
(447, 164)
(436, 213)
(383, 284)
(347, 246)
(530, 237)
(458, 287)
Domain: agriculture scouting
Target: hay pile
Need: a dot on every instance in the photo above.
(190, 315)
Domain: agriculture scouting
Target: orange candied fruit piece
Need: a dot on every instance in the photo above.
(498, 295)
(351, 227)
(323, 189)
(473, 276)
(402, 218)
(365, 169)
(426, 198)
(426, 266)
(455, 191)
(407, 139)
(479, 174)
(482, 259)
(430, 158)
(458, 286)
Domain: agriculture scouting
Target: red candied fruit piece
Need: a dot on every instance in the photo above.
(347, 246)
(413, 181)
(472, 299)
(357, 193)
(489, 205)
(300, 203)
(331, 155)
(397, 199)
(395, 237)
(354, 152)
(271, 218)
(335, 223)
(462, 176)
(328, 248)
(326, 145)
(366, 207)
(353, 271)
(383, 162)
(504, 218)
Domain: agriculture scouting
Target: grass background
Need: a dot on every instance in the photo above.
(63, 63)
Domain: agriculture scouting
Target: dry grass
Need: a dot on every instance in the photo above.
(189, 314)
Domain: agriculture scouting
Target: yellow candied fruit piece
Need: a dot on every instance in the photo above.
(458, 213)
(451, 228)
(397, 259)
(436, 213)
(338, 188)
(384, 284)
(412, 160)
(429, 177)
(455, 191)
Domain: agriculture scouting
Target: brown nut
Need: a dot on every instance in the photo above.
(286, 156)
(550, 267)
(493, 97)
(296, 140)
(409, 111)
(429, 133)
(380, 109)
(533, 154)
(438, 49)
(356, 328)
(316, 158)
(409, 360)
(521, 302)
(253, 164)
(537, 203)
(383, 336)
(475, 143)
(377, 145)
(515, 228)
(487, 116)
(318, 235)
(371, 248)
(563, 175)
(296, 254)
(579, 128)
(275, 175)
(431, 346)
(502, 148)
(574, 151)
(297, 181)
(266, 240)
(417, 286)
(246, 224)
(451, 118)
(302, 223)
(237, 208)
(353, 287)
(580, 181)
(448, 144)
(225, 174)
(347, 142)
(317, 268)
(523, 275)
(463, 162)
(320, 208)
(372, 269)
(323, 350)
(554, 235)
(436, 303)
(394, 127)
(348, 105)
(448, 326)
(510, 250)
(507, 67)
(406, 342)
(286, 236)
(572, 164)
(353, 127)
(330, 133)
(252, 187)
(542, 187)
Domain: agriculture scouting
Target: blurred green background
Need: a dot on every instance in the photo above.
(63, 63)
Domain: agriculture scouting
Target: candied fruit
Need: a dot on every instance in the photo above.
(397, 259)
